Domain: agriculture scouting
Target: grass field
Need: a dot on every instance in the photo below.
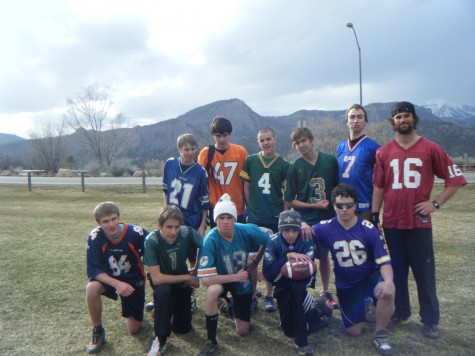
(42, 284)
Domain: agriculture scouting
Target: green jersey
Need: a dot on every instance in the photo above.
(171, 258)
(312, 183)
(266, 179)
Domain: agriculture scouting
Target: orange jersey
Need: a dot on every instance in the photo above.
(226, 168)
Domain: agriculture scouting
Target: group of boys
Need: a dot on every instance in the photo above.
(296, 202)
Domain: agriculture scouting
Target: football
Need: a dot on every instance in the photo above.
(298, 270)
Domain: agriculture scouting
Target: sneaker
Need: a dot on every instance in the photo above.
(322, 307)
(316, 324)
(210, 349)
(193, 303)
(396, 319)
(149, 307)
(370, 310)
(97, 341)
(157, 349)
(253, 305)
(226, 306)
(270, 305)
(431, 331)
(332, 304)
(381, 343)
(305, 350)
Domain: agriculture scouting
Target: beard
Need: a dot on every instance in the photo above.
(409, 128)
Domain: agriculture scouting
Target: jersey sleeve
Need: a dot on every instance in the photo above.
(203, 193)
(203, 157)
(245, 175)
(380, 251)
(290, 184)
(446, 169)
(206, 262)
(151, 255)
(93, 255)
(273, 261)
(257, 235)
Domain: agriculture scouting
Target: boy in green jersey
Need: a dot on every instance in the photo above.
(264, 175)
(166, 251)
(310, 181)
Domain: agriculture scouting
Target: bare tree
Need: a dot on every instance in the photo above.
(89, 113)
(49, 145)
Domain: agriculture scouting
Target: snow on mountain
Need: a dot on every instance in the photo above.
(445, 109)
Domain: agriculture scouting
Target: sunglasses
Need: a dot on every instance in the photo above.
(345, 205)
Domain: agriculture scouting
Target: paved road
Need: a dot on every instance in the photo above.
(470, 176)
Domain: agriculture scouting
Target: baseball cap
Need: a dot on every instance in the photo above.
(403, 106)
(225, 205)
(290, 219)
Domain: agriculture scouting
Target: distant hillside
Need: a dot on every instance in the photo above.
(7, 138)
(158, 141)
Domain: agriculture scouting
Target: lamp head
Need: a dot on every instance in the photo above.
(349, 25)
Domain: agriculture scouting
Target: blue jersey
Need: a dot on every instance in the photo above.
(221, 256)
(187, 190)
(120, 259)
(275, 257)
(356, 252)
(355, 167)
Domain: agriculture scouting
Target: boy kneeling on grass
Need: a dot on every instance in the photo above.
(166, 251)
(114, 251)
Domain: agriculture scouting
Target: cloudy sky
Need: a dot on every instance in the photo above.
(164, 58)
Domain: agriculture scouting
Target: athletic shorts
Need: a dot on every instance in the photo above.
(351, 300)
(133, 304)
(241, 305)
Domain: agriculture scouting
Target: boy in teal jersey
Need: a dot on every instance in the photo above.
(223, 268)
(310, 181)
(264, 179)
(166, 251)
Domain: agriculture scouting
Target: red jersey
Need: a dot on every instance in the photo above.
(226, 167)
(407, 176)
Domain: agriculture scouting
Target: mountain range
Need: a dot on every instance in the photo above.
(452, 126)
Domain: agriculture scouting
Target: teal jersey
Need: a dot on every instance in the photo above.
(311, 184)
(171, 258)
(220, 256)
(266, 179)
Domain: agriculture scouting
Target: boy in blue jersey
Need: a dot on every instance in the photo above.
(362, 266)
(297, 317)
(166, 252)
(114, 266)
(185, 184)
(356, 159)
(223, 268)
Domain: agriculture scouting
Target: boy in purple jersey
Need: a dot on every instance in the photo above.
(114, 266)
(362, 266)
(403, 180)
(356, 158)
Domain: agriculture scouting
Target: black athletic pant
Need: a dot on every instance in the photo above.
(172, 300)
(292, 313)
(414, 249)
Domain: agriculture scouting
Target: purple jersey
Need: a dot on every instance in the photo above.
(356, 252)
(355, 167)
(120, 259)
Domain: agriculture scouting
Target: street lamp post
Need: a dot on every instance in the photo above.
(350, 25)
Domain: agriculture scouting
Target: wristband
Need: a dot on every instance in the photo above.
(375, 218)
